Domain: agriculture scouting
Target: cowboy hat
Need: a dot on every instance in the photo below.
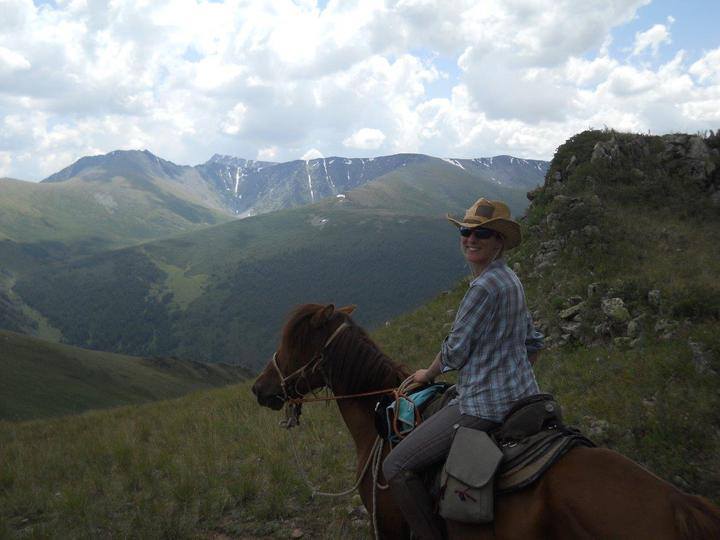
(493, 215)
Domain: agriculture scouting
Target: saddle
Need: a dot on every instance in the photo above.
(532, 437)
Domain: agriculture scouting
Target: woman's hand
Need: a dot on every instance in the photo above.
(422, 376)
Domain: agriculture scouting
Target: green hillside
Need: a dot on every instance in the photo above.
(433, 189)
(87, 215)
(40, 379)
(42, 223)
(641, 376)
(220, 294)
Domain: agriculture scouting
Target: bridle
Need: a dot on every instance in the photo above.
(312, 366)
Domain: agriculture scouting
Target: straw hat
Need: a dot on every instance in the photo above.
(494, 215)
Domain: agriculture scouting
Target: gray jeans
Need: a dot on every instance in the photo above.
(430, 442)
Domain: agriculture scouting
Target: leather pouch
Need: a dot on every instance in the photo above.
(466, 492)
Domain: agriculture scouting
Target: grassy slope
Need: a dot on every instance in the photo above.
(419, 190)
(215, 464)
(111, 213)
(41, 223)
(39, 378)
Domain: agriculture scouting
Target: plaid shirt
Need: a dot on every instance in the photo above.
(489, 344)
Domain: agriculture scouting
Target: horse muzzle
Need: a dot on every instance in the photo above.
(268, 397)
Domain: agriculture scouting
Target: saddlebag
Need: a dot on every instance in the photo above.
(466, 480)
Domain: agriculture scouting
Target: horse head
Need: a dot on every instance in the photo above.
(297, 367)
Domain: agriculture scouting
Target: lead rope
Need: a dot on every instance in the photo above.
(375, 456)
(374, 459)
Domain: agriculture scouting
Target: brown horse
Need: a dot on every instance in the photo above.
(589, 493)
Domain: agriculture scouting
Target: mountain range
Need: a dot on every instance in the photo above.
(131, 253)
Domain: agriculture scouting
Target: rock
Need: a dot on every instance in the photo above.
(562, 200)
(543, 265)
(570, 329)
(557, 176)
(552, 220)
(535, 230)
(534, 193)
(654, 297)
(715, 198)
(573, 300)
(551, 246)
(699, 357)
(593, 289)
(297, 533)
(602, 329)
(570, 312)
(591, 231)
(605, 151)
(597, 428)
(649, 402)
(571, 165)
(633, 329)
(517, 268)
(664, 326)
(614, 308)
(686, 154)
(622, 342)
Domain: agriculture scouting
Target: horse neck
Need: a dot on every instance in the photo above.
(359, 413)
(359, 417)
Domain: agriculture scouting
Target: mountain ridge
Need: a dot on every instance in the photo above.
(242, 187)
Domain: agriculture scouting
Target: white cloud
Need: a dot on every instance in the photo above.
(12, 61)
(267, 154)
(365, 139)
(274, 78)
(313, 153)
(707, 69)
(651, 39)
(5, 163)
(232, 123)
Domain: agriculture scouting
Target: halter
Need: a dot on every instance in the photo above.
(315, 363)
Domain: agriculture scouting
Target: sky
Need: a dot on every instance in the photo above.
(278, 80)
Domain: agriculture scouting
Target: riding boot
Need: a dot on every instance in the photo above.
(416, 505)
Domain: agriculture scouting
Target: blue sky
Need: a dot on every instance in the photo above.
(281, 79)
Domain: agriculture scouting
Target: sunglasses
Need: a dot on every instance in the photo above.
(478, 232)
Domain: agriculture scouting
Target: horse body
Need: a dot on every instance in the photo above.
(589, 493)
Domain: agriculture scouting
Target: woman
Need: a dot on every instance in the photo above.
(492, 343)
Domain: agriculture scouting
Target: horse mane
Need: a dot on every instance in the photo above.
(358, 364)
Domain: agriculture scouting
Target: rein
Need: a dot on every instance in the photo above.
(298, 401)
(292, 419)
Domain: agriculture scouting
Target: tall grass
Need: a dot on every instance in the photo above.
(214, 464)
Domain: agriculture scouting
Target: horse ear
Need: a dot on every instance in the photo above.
(347, 310)
(323, 316)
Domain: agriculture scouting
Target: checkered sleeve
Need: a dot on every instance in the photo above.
(472, 315)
